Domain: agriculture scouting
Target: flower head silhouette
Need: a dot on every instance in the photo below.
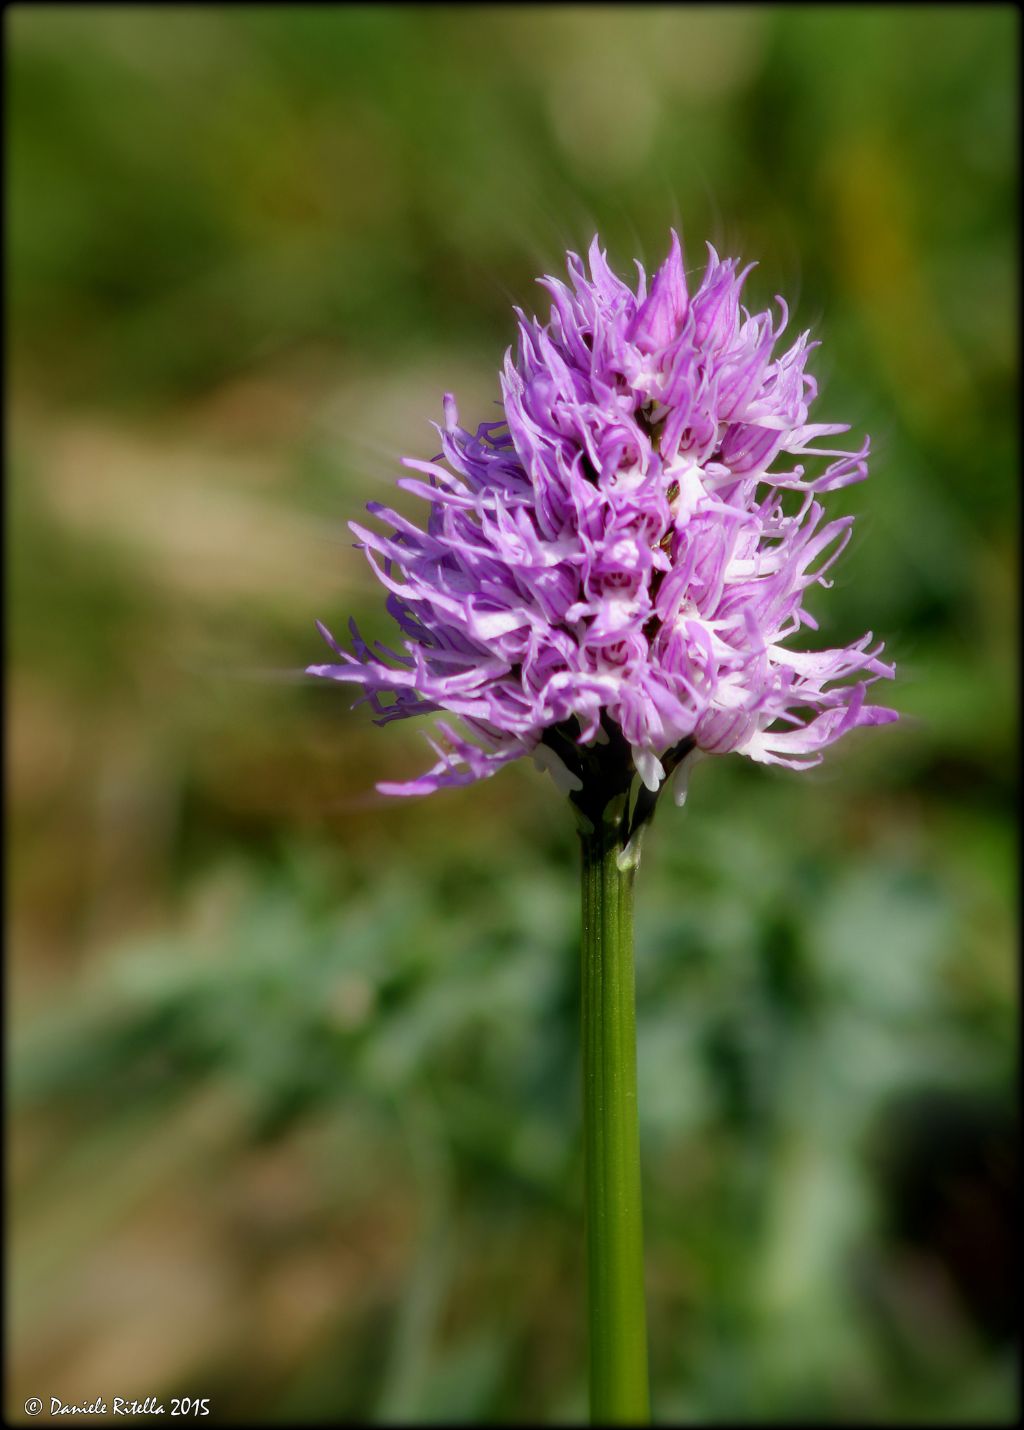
(622, 558)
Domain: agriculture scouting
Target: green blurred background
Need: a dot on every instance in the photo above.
(293, 1069)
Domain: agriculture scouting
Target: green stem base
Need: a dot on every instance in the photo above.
(614, 1226)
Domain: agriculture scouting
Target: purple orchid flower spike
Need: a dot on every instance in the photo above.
(615, 561)
(608, 579)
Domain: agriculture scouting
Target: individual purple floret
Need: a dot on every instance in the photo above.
(623, 556)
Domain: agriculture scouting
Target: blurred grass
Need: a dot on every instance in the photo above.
(293, 1071)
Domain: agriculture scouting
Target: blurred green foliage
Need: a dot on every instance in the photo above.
(294, 1070)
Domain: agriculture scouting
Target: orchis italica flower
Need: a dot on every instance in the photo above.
(608, 579)
(616, 560)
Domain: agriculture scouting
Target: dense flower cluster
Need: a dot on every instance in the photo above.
(617, 556)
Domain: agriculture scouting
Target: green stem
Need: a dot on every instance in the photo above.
(614, 1227)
